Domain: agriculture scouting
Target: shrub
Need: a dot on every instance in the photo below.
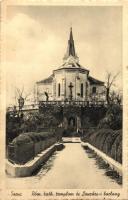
(109, 142)
(103, 134)
(35, 137)
(106, 140)
(22, 139)
(86, 134)
(113, 118)
(119, 152)
(114, 150)
(32, 136)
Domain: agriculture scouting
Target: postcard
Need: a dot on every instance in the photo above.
(64, 92)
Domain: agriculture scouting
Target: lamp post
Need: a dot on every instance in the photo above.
(21, 103)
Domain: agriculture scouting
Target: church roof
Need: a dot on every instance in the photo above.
(95, 81)
(71, 62)
(47, 80)
(72, 65)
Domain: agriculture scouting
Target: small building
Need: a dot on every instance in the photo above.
(71, 81)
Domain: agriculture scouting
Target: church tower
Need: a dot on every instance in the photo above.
(70, 81)
(70, 49)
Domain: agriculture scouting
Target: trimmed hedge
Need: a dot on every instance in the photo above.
(27, 145)
(116, 149)
(106, 140)
(21, 139)
(32, 136)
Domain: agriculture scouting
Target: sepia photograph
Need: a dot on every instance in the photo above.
(64, 99)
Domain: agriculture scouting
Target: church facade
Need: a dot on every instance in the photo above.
(71, 81)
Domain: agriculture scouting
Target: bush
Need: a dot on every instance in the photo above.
(35, 137)
(115, 154)
(113, 118)
(109, 142)
(86, 134)
(32, 136)
(119, 152)
(103, 134)
(106, 140)
(22, 139)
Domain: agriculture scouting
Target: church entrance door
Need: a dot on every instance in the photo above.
(72, 125)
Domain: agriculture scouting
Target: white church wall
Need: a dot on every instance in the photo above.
(71, 72)
(41, 89)
(99, 94)
(81, 78)
(64, 78)
(70, 79)
(59, 79)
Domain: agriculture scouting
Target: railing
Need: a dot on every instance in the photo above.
(25, 107)
(58, 103)
(75, 103)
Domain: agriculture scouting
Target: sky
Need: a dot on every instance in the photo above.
(37, 37)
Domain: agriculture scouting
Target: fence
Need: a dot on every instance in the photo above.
(73, 102)
(58, 103)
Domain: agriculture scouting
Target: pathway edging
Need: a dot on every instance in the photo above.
(113, 164)
(27, 169)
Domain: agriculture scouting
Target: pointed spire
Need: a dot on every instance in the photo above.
(71, 47)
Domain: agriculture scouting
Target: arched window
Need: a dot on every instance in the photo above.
(86, 89)
(59, 90)
(94, 90)
(81, 89)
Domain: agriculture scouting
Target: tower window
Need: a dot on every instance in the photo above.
(81, 90)
(59, 90)
(94, 90)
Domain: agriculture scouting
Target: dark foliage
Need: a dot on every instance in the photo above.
(106, 140)
(31, 122)
(113, 118)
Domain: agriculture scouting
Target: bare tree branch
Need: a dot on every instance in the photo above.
(113, 79)
(109, 83)
(22, 90)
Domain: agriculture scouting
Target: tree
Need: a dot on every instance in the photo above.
(109, 83)
(116, 97)
(113, 118)
(21, 97)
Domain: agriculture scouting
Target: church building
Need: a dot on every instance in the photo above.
(71, 81)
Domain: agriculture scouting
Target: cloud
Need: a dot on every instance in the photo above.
(30, 51)
(37, 39)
